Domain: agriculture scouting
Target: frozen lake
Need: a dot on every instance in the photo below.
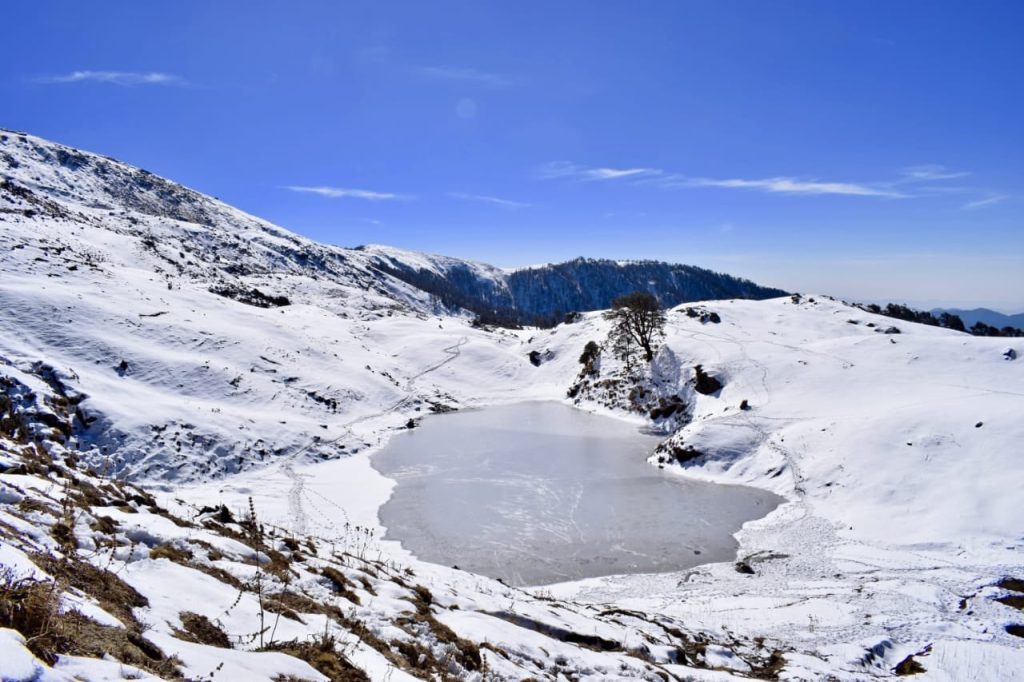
(539, 492)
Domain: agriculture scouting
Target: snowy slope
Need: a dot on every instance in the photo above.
(202, 372)
(899, 453)
(442, 266)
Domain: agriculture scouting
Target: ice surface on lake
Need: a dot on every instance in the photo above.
(539, 492)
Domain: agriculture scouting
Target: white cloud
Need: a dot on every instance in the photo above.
(504, 203)
(930, 172)
(776, 184)
(987, 201)
(565, 169)
(466, 76)
(347, 193)
(125, 78)
(785, 185)
(616, 173)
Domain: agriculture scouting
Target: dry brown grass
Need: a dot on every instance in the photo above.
(279, 566)
(88, 638)
(168, 551)
(113, 594)
(463, 651)
(29, 505)
(104, 525)
(32, 608)
(908, 666)
(367, 585)
(341, 584)
(323, 655)
(64, 534)
(201, 630)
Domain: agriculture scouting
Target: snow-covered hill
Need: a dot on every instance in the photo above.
(545, 295)
(153, 334)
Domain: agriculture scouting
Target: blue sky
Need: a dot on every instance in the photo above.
(870, 150)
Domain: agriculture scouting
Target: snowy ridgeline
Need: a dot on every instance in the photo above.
(548, 294)
(151, 333)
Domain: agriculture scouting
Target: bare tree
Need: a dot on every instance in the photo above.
(638, 318)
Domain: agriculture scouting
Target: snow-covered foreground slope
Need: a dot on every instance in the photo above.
(899, 453)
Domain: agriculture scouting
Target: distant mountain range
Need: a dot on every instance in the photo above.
(544, 295)
(989, 317)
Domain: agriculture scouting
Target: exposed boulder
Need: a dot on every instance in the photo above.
(704, 383)
(538, 358)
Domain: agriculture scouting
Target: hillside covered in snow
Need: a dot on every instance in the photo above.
(548, 294)
(191, 399)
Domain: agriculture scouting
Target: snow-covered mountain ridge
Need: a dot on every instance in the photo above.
(548, 294)
(899, 453)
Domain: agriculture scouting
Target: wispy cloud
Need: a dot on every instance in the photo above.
(616, 173)
(504, 203)
(124, 78)
(466, 76)
(658, 177)
(931, 172)
(565, 169)
(911, 183)
(987, 201)
(936, 175)
(347, 193)
(786, 185)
